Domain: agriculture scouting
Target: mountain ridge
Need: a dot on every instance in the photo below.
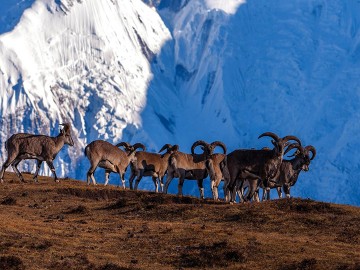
(177, 72)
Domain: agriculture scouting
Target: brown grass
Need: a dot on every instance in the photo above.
(69, 225)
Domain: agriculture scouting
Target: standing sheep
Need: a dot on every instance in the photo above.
(22, 146)
(150, 164)
(110, 157)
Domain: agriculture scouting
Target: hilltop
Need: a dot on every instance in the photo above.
(70, 225)
(176, 71)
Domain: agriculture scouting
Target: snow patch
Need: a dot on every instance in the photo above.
(228, 6)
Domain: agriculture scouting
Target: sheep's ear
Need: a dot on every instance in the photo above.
(62, 131)
(273, 142)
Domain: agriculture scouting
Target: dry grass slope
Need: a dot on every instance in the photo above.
(69, 225)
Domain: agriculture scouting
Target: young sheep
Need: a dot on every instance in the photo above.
(110, 157)
(150, 164)
(40, 147)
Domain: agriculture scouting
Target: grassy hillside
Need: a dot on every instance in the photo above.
(70, 225)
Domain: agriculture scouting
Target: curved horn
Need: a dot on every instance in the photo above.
(139, 145)
(197, 143)
(270, 134)
(292, 146)
(123, 144)
(220, 144)
(291, 137)
(166, 146)
(311, 149)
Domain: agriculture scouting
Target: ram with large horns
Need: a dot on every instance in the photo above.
(189, 166)
(256, 165)
(215, 164)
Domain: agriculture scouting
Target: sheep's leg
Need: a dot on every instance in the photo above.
(90, 173)
(131, 180)
(253, 185)
(201, 188)
(266, 194)
(14, 166)
(212, 186)
(107, 175)
(287, 190)
(181, 183)
(138, 178)
(226, 190)
(7, 163)
(278, 189)
(38, 166)
(256, 196)
(169, 177)
(239, 190)
(122, 178)
(156, 184)
(52, 168)
(161, 180)
(2, 173)
(231, 192)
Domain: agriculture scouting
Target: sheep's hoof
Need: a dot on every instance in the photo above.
(57, 180)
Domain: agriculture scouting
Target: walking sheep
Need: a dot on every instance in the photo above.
(22, 146)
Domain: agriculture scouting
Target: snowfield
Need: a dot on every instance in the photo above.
(167, 71)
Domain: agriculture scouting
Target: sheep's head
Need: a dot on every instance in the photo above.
(169, 149)
(303, 155)
(130, 149)
(279, 143)
(66, 132)
(307, 150)
(126, 146)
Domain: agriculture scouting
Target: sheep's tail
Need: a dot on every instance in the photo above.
(86, 151)
(224, 169)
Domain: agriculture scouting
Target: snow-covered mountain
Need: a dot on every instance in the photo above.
(166, 71)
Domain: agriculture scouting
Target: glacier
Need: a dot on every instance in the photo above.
(166, 71)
